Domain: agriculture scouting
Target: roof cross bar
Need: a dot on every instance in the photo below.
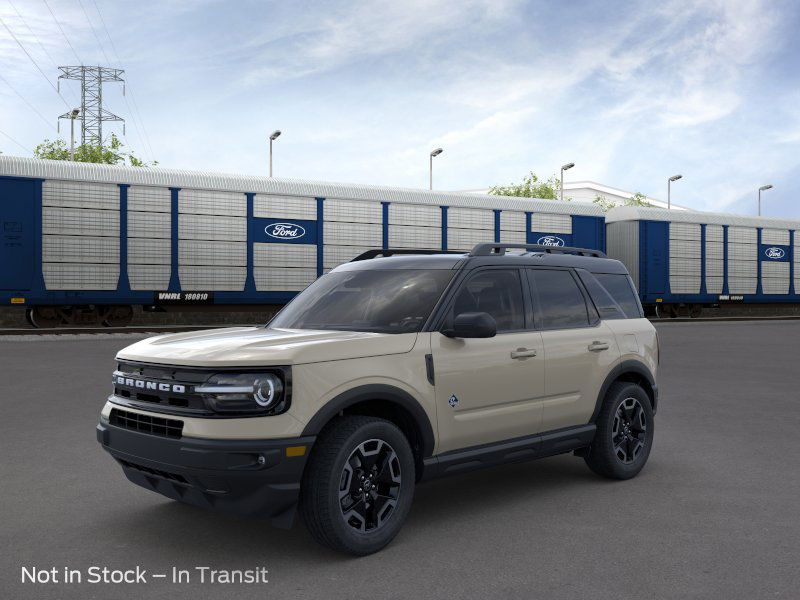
(395, 251)
(500, 249)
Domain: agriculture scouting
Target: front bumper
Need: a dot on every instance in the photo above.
(244, 477)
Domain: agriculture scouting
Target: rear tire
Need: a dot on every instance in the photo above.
(624, 435)
(358, 486)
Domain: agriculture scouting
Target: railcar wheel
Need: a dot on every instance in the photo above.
(117, 316)
(44, 317)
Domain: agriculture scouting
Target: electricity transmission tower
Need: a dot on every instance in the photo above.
(92, 112)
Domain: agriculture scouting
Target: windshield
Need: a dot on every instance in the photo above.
(392, 301)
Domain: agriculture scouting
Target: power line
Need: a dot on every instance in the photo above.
(96, 37)
(137, 116)
(66, 39)
(16, 142)
(35, 64)
(38, 41)
(32, 107)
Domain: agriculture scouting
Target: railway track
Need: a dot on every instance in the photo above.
(154, 329)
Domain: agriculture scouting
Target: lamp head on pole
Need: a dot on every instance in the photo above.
(436, 152)
(275, 135)
(567, 166)
(675, 177)
(73, 114)
(765, 187)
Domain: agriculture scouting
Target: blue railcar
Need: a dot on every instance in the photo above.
(683, 261)
(87, 242)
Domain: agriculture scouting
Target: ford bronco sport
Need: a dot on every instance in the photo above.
(396, 367)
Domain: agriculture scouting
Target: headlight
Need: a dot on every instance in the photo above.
(244, 393)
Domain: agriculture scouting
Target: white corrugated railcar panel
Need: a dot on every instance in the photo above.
(551, 223)
(80, 194)
(208, 227)
(80, 276)
(143, 251)
(466, 239)
(775, 277)
(333, 256)
(202, 252)
(684, 248)
(352, 211)
(149, 225)
(285, 255)
(715, 267)
(284, 207)
(78, 221)
(741, 285)
(743, 235)
(512, 220)
(207, 202)
(684, 231)
(742, 252)
(149, 199)
(80, 249)
(773, 285)
(197, 278)
(684, 266)
(715, 233)
(775, 236)
(514, 237)
(149, 277)
(415, 214)
(714, 285)
(283, 279)
(470, 218)
(353, 234)
(742, 268)
(411, 236)
(715, 249)
(623, 245)
(684, 284)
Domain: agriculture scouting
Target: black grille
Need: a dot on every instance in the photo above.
(148, 390)
(169, 428)
(157, 472)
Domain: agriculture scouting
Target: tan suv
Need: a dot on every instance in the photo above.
(396, 367)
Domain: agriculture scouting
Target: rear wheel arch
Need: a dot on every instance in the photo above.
(631, 371)
(386, 402)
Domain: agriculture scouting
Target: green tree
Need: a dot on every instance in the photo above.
(113, 153)
(638, 199)
(531, 187)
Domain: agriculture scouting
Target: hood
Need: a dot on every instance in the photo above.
(243, 346)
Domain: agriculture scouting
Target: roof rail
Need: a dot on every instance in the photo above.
(500, 249)
(394, 251)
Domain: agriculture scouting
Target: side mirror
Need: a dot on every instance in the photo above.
(472, 325)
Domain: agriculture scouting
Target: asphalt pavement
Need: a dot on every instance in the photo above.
(713, 515)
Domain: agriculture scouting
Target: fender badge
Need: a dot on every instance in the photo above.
(453, 401)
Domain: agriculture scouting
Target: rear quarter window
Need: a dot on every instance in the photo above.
(620, 287)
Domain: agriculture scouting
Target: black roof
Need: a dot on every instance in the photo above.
(593, 261)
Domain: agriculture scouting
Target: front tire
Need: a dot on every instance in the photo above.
(358, 486)
(624, 435)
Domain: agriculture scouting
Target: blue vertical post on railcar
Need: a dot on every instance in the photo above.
(759, 287)
(792, 291)
(444, 227)
(174, 278)
(385, 221)
(497, 212)
(124, 284)
(250, 281)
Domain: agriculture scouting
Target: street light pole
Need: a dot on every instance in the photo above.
(564, 168)
(436, 152)
(761, 189)
(669, 189)
(72, 116)
(272, 138)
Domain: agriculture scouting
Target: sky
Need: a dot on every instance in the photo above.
(631, 92)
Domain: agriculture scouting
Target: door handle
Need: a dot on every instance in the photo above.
(598, 346)
(523, 353)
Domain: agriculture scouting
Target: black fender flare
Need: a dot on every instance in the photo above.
(375, 391)
(623, 368)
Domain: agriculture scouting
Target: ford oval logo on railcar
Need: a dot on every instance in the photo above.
(775, 253)
(285, 231)
(550, 240)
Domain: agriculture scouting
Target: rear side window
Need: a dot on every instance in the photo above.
(621, 289)
(497, 292)
(559, 299)
(605, 304)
